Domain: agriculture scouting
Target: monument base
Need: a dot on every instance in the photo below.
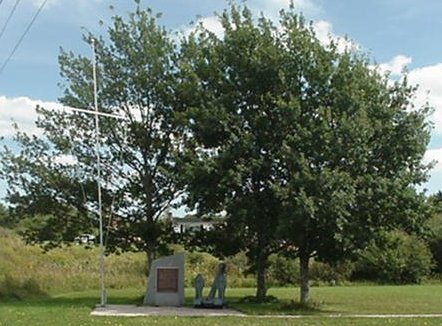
(210, 304)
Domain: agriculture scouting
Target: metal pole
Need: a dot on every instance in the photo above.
(103, 297)
(102, 114)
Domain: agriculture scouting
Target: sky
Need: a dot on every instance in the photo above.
(396, 34)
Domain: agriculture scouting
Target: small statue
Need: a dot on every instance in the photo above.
(219, 285)
(199, 286)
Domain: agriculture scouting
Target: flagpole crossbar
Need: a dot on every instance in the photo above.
(103, 114)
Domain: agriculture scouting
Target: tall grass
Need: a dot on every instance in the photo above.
(28, 270)
(69, 268)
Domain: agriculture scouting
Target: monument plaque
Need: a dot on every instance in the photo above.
(167, 280)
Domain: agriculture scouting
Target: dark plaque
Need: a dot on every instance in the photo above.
(167, 279)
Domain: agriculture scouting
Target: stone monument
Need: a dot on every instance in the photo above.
(166, 282)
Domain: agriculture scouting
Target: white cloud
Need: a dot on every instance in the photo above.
(271, 8)
(429, 85)
(20, 110)
(396, 65)
(430, 90)
(66, 160)
(324, 32)
(210, 23)
(435, 156)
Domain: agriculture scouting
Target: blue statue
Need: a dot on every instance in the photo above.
(218, 287)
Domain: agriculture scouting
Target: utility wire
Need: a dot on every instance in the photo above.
(23, 35)
(9, 17)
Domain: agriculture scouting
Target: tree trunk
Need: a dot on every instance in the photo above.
(261, 271)
(305, 288)
(151, 255)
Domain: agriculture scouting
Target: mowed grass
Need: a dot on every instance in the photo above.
(74, 308)
(410, 299)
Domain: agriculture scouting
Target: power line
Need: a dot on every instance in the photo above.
(9, 17)
(23, 35)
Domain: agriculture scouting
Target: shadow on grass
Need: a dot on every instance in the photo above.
(89, 301)
(271, 305)
(248, 305)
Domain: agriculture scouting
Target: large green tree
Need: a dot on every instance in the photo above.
(304, 147)
(230, 166)
(354, 167)
(56, 174)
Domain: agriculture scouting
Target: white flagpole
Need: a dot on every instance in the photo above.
(103, 296)
(96, 113)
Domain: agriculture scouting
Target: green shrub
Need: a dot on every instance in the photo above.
(434, 240)
(238, 265)
(435, 246)
(396, 258)
(283, 271)
(207, 265)
(286, 271)
(330, 274)
(200, 263)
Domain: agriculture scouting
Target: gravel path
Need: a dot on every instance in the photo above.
(135, 311)
(138, 311)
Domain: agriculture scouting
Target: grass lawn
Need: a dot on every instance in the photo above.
(74, 308)
(412, 299)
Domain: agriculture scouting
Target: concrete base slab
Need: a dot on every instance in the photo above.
(144, 311)
(138, 311)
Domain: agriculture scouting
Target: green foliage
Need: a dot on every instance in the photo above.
(200, 263)
(331, 274)
(434, 238)
(237, 268)
(7, 220)
(395, 257)
(435, 245)
(285, 271)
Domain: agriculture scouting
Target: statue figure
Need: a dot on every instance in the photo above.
(219, 285)
(199, 286)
